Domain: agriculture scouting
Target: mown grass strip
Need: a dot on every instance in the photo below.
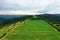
(33, 30)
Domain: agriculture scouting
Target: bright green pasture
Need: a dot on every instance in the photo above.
(33, 30)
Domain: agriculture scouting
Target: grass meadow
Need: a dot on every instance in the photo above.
(32, 30)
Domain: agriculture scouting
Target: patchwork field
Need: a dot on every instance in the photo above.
(33, 30)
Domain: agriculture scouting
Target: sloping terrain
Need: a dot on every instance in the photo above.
(33, 30)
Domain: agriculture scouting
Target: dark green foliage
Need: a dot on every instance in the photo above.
(5, 22)
(46, 17)
(53, 20)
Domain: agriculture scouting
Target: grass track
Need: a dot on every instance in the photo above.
(33, 30)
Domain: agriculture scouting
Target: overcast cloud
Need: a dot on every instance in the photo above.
(31, 5)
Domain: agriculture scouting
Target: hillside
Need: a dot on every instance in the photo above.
(30, 27)
(33, 30)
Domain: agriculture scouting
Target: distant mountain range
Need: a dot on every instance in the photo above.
(10, 16)
(6, 18)
(16, 16)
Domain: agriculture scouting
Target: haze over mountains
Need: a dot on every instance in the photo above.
(9, 8)
(26, 12)
(16, 14)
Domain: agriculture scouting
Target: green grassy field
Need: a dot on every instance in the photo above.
(33, 30)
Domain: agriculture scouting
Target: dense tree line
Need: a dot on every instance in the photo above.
(54, 21)
(14, 20)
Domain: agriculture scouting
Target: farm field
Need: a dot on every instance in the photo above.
(33, 30)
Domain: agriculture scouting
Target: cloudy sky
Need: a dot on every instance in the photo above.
(50, 6)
